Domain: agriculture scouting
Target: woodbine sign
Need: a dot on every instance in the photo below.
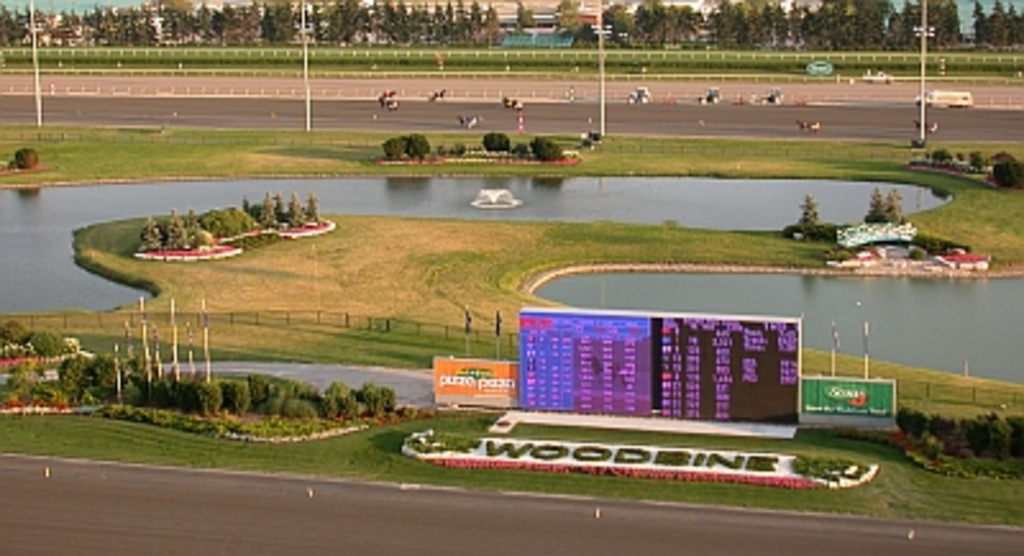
(687, 464)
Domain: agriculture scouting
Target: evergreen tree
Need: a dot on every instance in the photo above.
(296, 215)
(809, 211)
(151, 237)
(894, 207)
(280, 210)
(313, 208)
(876, 209)
(268, 215)
(177, 238)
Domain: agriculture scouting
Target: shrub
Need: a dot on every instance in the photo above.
(259, 389)
(935, 245)
(911, 421)
(25, 159)
(14, 332)
(46, 344)
(941, 155)
(209, 397)
(1009, 174)
(978, 161)
(227, 223)
(546, 149)
(521, 150)
(378, 400)
(394, 148)
(298, 409)
(339, 401)
(236, 396)
(417, 146)
(1016, 436)
(496, 142)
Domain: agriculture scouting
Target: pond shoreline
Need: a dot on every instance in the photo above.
(543, 278)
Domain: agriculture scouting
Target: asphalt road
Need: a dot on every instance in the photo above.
(872, 112)
(90, 508)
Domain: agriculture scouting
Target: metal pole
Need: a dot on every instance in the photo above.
(866, 372)
(924, 57)
(305, 65)
(600, 62)
(35, 64)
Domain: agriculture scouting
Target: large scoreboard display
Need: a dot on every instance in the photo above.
(682, 366)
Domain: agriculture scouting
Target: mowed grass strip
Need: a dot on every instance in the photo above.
(900, 490)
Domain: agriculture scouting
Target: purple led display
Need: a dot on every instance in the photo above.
(705, 367)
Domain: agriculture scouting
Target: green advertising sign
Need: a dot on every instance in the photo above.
(820, 69)
(846, 396)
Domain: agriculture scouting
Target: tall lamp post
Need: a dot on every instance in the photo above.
(305, 65)
(600, 61)
(924, 32)
(35, 63)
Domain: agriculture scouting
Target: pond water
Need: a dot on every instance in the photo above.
(36, 226)
(925, 322)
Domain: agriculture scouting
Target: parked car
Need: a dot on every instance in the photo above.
(880, 77)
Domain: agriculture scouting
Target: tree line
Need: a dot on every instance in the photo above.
(833, 25)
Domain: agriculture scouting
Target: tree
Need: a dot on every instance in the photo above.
(894, 207)
(268, 215)
(546, 149)
(25, 159)
(46, 344)
(417, 146)
(809, 211)
(152, 238)
(524, 18)
(496, 142)
(876, 209)
(1008, 173)
(296, 214)
(227, 222)
(313, 208)
(13, 332)
(394, 148)
(177, 237)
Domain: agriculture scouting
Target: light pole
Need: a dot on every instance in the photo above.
(35, 63)
(924, 32)
(600, 62)
(305, 65)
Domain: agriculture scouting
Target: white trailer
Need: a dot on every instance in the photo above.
(948, 99)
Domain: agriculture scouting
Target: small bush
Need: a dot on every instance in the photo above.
(978, 161)
(521, 150)
(546, 149)
(25, 159)
(394, 148)
(497, 142)
(417, 146)
(941, 155)
(14, 332)
(1009, 174)
(209, 397)
(46, 344)
(259, 389)
(236, 397)
(298, 409)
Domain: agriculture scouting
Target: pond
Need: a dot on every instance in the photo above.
(39, 273)
(924, 322)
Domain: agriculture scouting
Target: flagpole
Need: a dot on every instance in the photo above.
(206, 340)
(497, 335)
(174, 344)
(866, 373)
(469, 322)
(835, 337)
(145, 350)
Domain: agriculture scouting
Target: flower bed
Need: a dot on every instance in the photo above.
(207, 254)
(308, 230)
(35, 407)
(677, 464)
(477, 160)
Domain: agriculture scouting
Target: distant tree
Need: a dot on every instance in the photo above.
(546, 149)
(280, 210)
(296, 214)
(417, 146)
(524, 18)
(13, 332)
(177, 238)
(313, 208)
(394, 148)
(894, 207)
(496, 142)
(1008, 173)
(152, 237)
(809, 211)
(25, 159)
(268, 214)
(876, 209)
(46, 344)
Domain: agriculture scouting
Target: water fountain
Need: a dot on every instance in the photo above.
(495, 199)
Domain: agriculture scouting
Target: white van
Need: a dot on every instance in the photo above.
(947, 99)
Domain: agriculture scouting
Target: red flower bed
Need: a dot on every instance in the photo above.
(662, 474)
(442, 160)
